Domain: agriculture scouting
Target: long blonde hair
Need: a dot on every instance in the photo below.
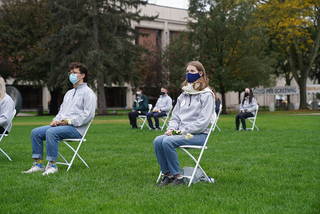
(2, 88)
(203, 81)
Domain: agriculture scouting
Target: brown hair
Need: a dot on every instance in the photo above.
(82, 68)
(215, 95)
(203, 81)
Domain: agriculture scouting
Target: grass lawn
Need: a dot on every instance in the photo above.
(274, 170)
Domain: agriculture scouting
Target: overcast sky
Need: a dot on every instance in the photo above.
(171, 3)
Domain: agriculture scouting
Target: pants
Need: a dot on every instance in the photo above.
(242, 116)
(165, 149)
(52, 135)
(2, 130)
(133, 118)
(156, 116)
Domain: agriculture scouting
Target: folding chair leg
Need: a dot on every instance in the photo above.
(159, 177)
(5, 154)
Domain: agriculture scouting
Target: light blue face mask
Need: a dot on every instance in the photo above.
(73, 78)
(138, 92)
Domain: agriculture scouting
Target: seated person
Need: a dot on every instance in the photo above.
(192, 114)
(140, 107)
(247, 108)
(76, 111)
(161, 108)
(6, 108)
(217, 101)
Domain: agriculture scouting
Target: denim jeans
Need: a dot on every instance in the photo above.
(52, 135)
(156, 116)
(165, 149)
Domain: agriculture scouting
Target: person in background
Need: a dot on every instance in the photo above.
(6, 108)
(76, 111)
(248, 106)
(191, 115)
(217, 101)
(161, 108)
(140, 107)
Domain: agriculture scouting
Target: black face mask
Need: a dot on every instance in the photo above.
(246, 94)
(162, 93)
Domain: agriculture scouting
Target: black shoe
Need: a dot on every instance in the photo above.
(151, 128)
(165, 181)
(177, 181)
(244, 129)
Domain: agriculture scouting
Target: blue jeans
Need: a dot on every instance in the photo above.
(165, 149)
(52, 135)
(156, 116)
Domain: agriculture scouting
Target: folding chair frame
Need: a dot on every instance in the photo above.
(164, 119)
(6, 135)
(144, 118)
(252, 120)
(197, 161)
(220, 108)
(74, 150)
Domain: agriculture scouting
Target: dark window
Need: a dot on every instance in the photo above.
(31, 97)
(115, 96)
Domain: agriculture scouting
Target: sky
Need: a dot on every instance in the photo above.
(171, 3)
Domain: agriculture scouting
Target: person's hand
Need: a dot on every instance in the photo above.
(169, 132)
(54, 123)
(63, 122)
(156, 110)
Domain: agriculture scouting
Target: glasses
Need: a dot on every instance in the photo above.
(72, 72)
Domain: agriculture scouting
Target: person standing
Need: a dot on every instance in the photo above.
(192, 114)
(247, 109)
(76, 111)
(161, 108)
(140, 107)
(6, 108)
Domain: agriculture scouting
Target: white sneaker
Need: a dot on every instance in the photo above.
(34, 168)
(50, 169)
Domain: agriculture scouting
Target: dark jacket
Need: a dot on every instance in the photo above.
(143, 104)
(218, 106)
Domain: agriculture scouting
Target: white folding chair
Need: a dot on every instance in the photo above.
(144, 118)
(216, 125)
(202, 148)
(6, 135)
(74, 150)
(165, 119)
(252, 120)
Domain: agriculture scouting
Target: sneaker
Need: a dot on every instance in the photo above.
(35, 168)
(157, 129)
(151, 128)
(177, 181)
(50, 169)
(165, 181)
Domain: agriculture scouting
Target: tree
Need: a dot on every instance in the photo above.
(22, 26)
(226, 38)
(97, 33)
(293, 25)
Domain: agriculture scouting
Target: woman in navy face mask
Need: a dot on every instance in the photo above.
(191, 114)
(248, 106)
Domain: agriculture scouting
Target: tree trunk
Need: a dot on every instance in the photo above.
(303, 92)
(223, 96)
(102, 105)
(53, 109)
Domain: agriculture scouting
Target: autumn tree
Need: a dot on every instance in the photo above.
(293, 25)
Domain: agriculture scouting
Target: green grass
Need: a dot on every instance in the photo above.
(275, 170)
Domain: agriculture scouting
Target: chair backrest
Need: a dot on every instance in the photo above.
(220, 108)
(150, 107)
(257, 108)
(10, 122)
(87, 128)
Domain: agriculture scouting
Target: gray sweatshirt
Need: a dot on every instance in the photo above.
(250, 107)
(78, 105)
(6, 108)
(164, 103)
(192, 113)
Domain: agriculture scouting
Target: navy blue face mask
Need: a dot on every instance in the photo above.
(192, 77)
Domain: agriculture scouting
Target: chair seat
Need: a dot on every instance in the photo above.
(191, 147)
(75, 139)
